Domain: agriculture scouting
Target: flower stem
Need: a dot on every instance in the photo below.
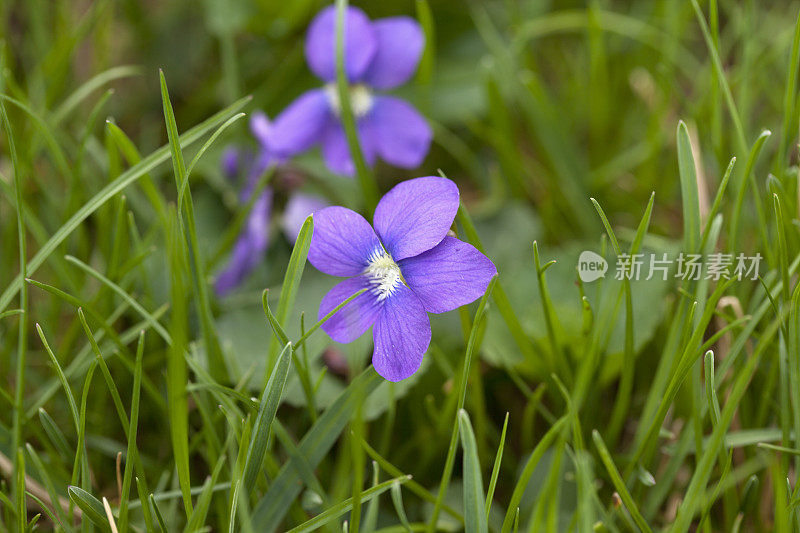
(366, 180)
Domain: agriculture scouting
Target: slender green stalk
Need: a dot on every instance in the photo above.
(369, 188)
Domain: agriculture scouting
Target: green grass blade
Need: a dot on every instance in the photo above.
(216, 361)
(91, 507)
(338, 510)
(270, 400)
(530, 466)
(496, 468)
(111, 190)
(132, 451)
(689, 195)
(474, 500)
(176, 364)
(472, 347)
(619, 484)
(369, 189)
(397, 501)
(291, 282)
(18, 418)
(274, 505)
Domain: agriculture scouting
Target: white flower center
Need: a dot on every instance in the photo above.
(360, 99)
(383, 273)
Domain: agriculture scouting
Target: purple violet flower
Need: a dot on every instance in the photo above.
(408, 263)
(380, 54)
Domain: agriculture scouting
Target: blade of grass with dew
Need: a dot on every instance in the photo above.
(270, 400)
(216, 361)
(474, 500)
(109, 191)
(472, 347)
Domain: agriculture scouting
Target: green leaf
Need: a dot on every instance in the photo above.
(216, 361)
(270, 400)
(474, 503)
(619, 484)
(274, 505)
(689, 195)
(369, 189)
(291, 282)
(338, 510)
(91, 507)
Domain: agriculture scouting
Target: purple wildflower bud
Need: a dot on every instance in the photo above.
(408, 264)
(378, 55)
(297, 210)
(250, 246)
(230, 162)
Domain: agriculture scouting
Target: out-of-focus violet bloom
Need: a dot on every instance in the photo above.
(250, 247)
(297, 209)
(408, 264)
(380, 54)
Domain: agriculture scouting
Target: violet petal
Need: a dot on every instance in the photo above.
(402, 334)
(350, 322)
(452, 274)
(336, 151)
(300, 126)
(400, 45)
(415, 215)
(342, 242)
(360, 43)
(402, 136)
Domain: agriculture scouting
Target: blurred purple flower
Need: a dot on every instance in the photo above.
(250, 247)
(380, 54)
(297, 209)
(409, 265)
